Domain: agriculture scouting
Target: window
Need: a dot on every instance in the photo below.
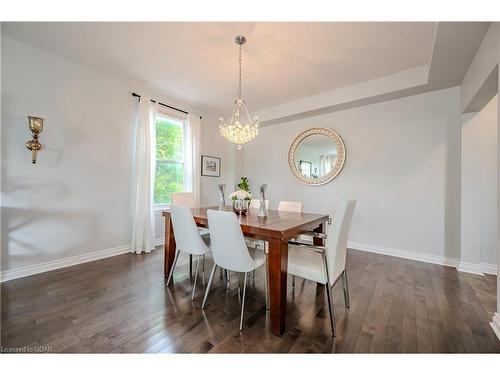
(169, 177)
(305, 168)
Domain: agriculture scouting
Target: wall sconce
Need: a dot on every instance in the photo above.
(36, 127)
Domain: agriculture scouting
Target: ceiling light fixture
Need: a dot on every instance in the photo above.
(236, 131)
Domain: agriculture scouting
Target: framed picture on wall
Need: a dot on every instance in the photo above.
(210, 166)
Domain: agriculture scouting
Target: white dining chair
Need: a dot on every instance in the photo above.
(259, 244)
(255, 204)
(325, 265)
(282, 206)
(187, 239)
(230, 252)
(290, 206)
(186, 199)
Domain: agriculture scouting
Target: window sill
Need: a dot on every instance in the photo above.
(160, 208)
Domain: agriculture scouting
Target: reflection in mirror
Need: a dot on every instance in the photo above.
(315, 156)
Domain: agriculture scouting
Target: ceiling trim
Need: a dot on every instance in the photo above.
(478, 84)
(406, 79)
(447, 48)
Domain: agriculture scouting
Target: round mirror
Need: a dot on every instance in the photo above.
(316, 156)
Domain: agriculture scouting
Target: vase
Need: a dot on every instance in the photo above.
(222, 199)
(262, 203)
(240, 206)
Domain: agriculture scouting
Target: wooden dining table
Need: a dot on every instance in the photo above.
(276, 229)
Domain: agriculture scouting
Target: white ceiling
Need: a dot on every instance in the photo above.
(198, 61)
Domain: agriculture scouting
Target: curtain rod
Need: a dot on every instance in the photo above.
(165, 105)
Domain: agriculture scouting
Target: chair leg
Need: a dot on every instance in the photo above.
(329, 295)
(293, 281)
(330, 308)
(208, 286)
(173, 267)
(239, 285)
(195, 276)
(190, 265)
(203, 269)
(243, 301)
(266, 279)
(346, 289)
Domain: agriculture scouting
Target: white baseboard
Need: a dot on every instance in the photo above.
(490, 269)
(478, 268)
(475, 268)
(413, 255)
(72, 261)
(495, 324)
(17, 273)
(469, 267)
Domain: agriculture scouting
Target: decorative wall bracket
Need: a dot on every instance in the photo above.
(36, 127)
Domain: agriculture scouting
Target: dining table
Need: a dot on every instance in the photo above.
(277, 228)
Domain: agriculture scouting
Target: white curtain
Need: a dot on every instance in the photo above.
(144, 160)
(193, 163)
(325, 164)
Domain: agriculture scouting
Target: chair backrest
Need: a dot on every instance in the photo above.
(228, 246)
(187, 236)
(183, 199)
(336, 241)
(290, 206)
(255, 203)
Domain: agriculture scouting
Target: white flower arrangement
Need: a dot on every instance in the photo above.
(240, 195)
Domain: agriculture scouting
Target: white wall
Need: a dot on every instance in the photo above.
(402, 167)
(215, 145)
(479, 85)
(470, 246)
(479, 190)
(495, 324)
(75, 200)
(488, 192)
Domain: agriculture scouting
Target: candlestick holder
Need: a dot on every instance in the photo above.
(36, 126)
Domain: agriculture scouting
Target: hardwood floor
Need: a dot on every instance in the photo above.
(120, 304)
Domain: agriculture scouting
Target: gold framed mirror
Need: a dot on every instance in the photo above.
(316, 156)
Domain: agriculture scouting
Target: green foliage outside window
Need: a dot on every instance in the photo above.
(169, 176)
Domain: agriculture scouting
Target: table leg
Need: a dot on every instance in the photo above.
(278, 271)
(169, 247)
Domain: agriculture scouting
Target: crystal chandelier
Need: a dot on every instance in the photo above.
(236, 131)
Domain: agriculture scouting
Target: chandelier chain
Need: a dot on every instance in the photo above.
(239, 82)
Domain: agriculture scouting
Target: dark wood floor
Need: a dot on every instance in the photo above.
(120, 304)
